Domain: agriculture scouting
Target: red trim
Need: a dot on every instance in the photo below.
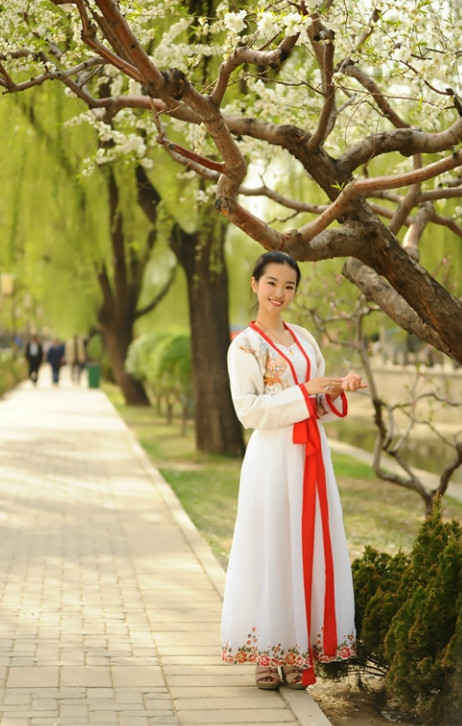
(314, 485)
(281, 353)
(335, 410)
(309, 402)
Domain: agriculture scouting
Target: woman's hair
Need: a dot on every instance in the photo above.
(281, 258)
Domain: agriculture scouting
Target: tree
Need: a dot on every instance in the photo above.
(336, 86)
(201, 255)
(82, 252)
(120, 278)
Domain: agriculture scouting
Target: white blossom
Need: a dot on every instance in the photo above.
(236, 21)
(267, 25)
(292, 23)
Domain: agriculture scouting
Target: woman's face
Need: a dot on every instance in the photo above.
(275, 289)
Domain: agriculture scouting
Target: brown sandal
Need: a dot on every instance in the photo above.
(293, 677)
(267, 679)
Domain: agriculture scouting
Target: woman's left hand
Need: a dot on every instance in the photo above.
(352, 382)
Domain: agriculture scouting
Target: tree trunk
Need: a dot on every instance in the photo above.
(201, 255)
(117, 334)
(120, 291)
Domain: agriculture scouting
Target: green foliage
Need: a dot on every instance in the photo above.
(138, 360)
(163, 362)
(96, 353)
(12, 371)
(424, 644)
(171, 367)
(375, 576)
(95, 349)
(409, 621)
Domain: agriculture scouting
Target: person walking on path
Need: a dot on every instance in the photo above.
(76, 357)
(34, 357)
(55, 358)
(289, 595)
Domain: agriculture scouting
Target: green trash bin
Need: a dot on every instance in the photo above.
(94, 375)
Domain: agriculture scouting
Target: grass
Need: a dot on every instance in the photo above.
(376, 513)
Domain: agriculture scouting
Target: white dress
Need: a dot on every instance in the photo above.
(289, 593)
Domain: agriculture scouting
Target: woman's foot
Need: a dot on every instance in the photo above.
(293, 677)
(267, 678)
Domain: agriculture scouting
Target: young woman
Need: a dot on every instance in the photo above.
(289, 594)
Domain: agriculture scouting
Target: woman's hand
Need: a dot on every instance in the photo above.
(334, 386)
(352, 382)
(323, 385)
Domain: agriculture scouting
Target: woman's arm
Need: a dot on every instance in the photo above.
(255, 408)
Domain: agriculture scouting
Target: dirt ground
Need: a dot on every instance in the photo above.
(345, 704)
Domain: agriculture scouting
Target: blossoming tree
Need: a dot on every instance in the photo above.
(341, 89)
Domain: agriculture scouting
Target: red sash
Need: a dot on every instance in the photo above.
(314, 484)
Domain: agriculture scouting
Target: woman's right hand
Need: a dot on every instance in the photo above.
(324, 384)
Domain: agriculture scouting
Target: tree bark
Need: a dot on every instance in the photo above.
(201, 255)
(117, 336)
(117, 313)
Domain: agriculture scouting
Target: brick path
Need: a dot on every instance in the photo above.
(109, 599)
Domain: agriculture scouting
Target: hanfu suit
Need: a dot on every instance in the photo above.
(289, 594)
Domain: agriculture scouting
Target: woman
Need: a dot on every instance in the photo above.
(289, 594)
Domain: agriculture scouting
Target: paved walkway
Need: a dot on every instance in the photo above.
(109, 599)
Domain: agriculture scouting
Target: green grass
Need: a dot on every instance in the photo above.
(376, 513)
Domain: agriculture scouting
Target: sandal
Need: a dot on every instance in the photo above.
(292, 676)
(267, 679)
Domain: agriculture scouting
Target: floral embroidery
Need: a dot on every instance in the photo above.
(274, 367)
(278, 656)
(346, 649)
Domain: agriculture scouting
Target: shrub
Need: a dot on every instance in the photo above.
(424, 641)
(138, 360)
(12, 371)
(162, 361)
(409, 621)
(375, 578)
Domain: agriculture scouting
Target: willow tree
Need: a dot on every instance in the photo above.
(333, 85)
(88, 237)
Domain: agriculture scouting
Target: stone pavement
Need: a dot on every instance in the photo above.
(110, 600)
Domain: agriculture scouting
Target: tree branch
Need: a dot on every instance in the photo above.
(159, 297)
(377, 288)
(407, 141)
(372, 88)
(322, 41)
(408, 203)
(416, 230)
(244, 55)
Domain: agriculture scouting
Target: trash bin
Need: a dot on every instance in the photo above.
(94, 375)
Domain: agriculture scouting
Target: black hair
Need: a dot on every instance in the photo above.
(281, 258)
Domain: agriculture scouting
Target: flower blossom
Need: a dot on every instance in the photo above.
(235, 21)
(267, 25)
(292, 22)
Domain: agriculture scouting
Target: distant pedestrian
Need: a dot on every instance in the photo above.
(76, 357)
(55, 358)
(34, 357)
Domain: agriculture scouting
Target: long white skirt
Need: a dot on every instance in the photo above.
(264, 611)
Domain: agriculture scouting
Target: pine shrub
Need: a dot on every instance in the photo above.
(409, 622)
(423, 644)
(376, 576)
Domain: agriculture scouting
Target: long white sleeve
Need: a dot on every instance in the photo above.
(256, 408)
